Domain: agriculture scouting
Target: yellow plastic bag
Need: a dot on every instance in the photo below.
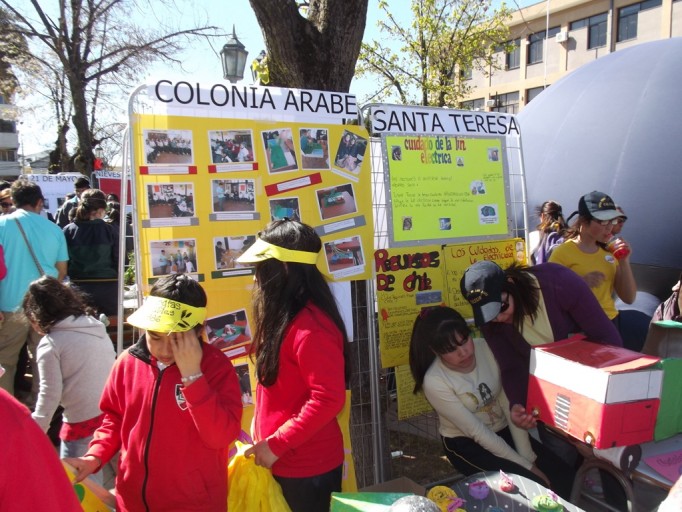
(252, 488)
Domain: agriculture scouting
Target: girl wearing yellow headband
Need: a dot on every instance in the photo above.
(172, 406)
(299, 345)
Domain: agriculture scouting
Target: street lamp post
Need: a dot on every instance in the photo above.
(233, 56)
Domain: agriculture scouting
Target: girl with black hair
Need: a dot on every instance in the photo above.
(300, 347)
(461, 380)
(606, 272)
(172, 406)
(74, 359)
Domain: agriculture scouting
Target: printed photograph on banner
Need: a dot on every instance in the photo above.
(344, 254)
(336, 201)
(521, 252)
(229, 248)
(477, 187)
(173, 256)
(244, 383)
(233, 195)
(170, 200)
(168, 147)
(396, 153)
(279, 150)
(229, 330)
(314, 148)
(285, 207)
(407, 223)
(231, 146)
(351, 152)
(488, 214)
(493, 154)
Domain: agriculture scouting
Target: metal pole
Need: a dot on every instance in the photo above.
(377, 431)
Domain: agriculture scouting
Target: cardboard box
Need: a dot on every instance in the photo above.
(402, 484)
(376, 498)
(603, 395)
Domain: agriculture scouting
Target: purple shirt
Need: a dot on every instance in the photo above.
(571, 308)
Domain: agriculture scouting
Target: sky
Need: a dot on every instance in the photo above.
(201, 60)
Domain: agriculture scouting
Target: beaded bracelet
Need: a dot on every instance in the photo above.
(191, 378)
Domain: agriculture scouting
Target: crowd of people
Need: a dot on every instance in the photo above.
(171, 391)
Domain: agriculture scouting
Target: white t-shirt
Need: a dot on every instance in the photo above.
(474, 405)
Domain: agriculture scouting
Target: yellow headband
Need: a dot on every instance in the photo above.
(166, 316)
(262, 250)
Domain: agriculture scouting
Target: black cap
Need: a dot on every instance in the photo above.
(481, 285)
(598, 205)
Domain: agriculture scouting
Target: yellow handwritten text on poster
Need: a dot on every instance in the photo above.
(408, 279)
(458, 257)
(409, 404)
(446, 187)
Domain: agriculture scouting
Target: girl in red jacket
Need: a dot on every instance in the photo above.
(300, 345)
(172, 406)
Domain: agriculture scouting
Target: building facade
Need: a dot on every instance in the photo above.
(550, 39)
(9, 139)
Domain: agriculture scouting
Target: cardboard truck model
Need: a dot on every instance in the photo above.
(603, 395)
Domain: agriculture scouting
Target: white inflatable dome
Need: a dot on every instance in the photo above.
(615, 125)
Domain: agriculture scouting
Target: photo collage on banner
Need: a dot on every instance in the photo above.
(206, 185)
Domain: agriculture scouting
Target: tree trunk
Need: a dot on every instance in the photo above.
(59, 156)
(85, 159)
(318, 52)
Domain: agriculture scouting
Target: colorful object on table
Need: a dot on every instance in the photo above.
(506, 482)
(414, 504)
(445, 498)
(479, 490)
(546, 503)
(456, 504)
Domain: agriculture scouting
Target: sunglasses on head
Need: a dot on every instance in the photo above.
(607, 222)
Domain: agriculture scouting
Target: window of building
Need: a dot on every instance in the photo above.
(596, 36)
(531, 94)
(2, 100)
(536, 45)
(508, 103)
(477, 104)
(8, 155)
(627, 18)
(465, 74)
(513, 57)
(7, 126)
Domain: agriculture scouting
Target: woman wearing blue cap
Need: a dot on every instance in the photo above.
(592, 252)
